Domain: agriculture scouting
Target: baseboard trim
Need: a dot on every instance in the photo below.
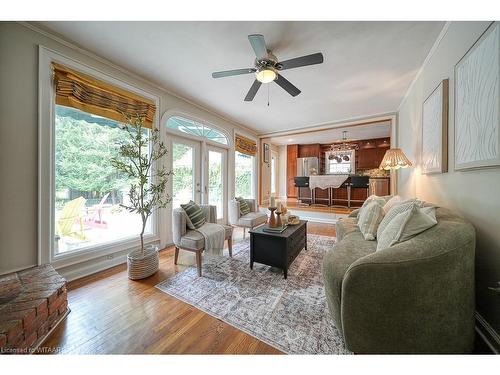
(82, 271)
(318, 219)
(12, 270)
(490, 337)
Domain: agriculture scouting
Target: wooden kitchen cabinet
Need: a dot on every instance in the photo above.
(307, 151)
(379, 186)
(291, 170)
(380, 155)
(370, 158)
(367, 158)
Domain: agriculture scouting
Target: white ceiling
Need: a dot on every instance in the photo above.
(367, 67)
(354, 133)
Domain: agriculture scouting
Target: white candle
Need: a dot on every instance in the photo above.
(272, 202)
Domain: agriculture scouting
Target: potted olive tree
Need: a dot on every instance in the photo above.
(138, 158)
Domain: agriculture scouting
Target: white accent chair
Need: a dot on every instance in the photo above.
(251, 220)
(192, 240)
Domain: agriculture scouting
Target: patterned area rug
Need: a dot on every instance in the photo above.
(290, 315)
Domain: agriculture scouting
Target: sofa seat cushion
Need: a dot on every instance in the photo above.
(345, 226)
(335, 265)
(252, 219)
(194, 240)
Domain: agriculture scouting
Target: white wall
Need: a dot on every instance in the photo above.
(474, 194)
(19, 137)
(282, 171)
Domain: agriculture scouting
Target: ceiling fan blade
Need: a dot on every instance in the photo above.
(259, 45)
(315, 58)
(287, 85)
(253, 90)
(234, 72)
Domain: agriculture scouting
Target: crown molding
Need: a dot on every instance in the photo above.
(358, 120)
(433, 49)
(254, 132)
(111, 64)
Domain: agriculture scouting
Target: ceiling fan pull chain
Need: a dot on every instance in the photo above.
(268, 95)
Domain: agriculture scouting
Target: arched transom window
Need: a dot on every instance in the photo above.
(197, 129)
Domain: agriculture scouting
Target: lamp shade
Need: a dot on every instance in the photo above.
(394, 158)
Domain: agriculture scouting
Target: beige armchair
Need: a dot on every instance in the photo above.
(192, 240)
(251, 220)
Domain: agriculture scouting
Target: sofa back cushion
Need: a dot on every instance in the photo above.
(195, 215)
(370, 218)
(406, 225)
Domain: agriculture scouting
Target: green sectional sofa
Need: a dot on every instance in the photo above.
(414, 297)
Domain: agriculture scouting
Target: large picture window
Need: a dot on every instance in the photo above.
(88, 190)
(81, 127)
(244, 167)
(244, 175)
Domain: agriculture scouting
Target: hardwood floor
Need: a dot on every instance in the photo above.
(111, 314)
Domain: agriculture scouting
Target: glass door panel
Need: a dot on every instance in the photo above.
(216, 180)
(186, 178)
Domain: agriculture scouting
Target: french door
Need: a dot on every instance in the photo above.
(215, 177)
(200, 174)
(186, 165)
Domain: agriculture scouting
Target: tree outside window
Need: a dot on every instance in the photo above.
(244, 174)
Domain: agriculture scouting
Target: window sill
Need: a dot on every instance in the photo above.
(73, 258)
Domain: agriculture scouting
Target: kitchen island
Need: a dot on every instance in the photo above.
(336, 190)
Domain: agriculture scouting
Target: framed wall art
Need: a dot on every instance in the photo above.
(435, 130)
(266, 153)
(477, 103)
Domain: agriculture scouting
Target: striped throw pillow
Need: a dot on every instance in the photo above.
(195, 215)
(370, 199)
(395, 210)
(369, 220)
(244, 208)
(407, 225)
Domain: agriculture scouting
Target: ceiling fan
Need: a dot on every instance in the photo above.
(267, 68)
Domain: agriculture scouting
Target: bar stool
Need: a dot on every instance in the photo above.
(362, 182)
(302, 182)
(346, 204)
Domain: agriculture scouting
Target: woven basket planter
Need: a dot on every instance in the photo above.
(141, 265)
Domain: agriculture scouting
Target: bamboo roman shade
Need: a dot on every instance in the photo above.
(245, 145)
(80, 91)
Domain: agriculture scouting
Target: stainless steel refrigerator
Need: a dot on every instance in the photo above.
(307, 166)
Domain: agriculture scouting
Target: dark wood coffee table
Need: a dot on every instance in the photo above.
(278, 249)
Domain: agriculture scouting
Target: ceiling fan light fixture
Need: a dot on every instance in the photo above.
(266, 75)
